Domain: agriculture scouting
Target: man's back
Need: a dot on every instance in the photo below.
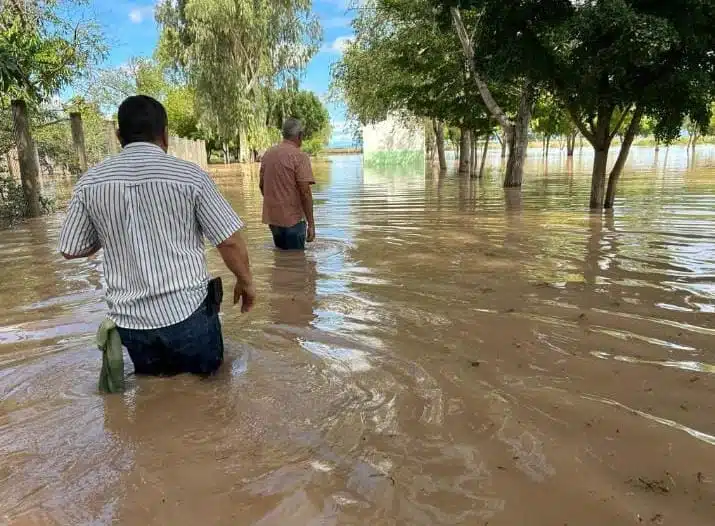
(283, 167)
(149, 212)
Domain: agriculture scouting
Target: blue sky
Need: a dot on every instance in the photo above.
(132, 32)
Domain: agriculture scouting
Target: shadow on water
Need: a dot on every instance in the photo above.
(446, 352)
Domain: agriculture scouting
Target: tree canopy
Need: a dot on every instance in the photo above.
(601, 59)
(233, 55)
(41, 52)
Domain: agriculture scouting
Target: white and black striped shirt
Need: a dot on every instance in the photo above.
(149, 212)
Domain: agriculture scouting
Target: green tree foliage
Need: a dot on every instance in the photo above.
(41, 52)
(606, 58)
(233, 53)
(306, 106)
(144, 76)
(139, 76)
(623, 57)
(53, 136)
(550, 118)
(181, 110)
(403, 62)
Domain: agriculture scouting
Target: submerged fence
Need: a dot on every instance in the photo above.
(188, 149)
(67, 148)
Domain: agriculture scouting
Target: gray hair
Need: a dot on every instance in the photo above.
(292, 128)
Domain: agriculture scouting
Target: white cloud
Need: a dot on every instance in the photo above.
(339, 44)
(139, 14)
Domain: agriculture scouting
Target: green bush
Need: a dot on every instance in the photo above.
(313, 146)
(12, 201)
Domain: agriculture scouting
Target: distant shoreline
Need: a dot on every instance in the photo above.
(341, 151)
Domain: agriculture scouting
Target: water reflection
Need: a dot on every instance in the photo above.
(293, 279)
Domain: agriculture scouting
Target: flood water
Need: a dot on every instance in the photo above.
(445, 353)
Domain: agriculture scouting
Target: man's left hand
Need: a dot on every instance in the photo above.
(245, 295)
(311, 233)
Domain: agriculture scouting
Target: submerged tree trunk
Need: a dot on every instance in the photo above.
(601, 141)
(439, 139)
(484, 155)
(622, 156)
(224, 149)
(570, 144)
(548, 142)
(29, 165)
(465, 150)
(503, 145)
(516, 131)
(519, 140)
(598, 177)
(473, 162)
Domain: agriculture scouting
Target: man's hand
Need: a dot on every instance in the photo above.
(245, 294)
(235, 254)
(311, 233)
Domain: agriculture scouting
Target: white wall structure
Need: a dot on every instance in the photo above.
(394, 141)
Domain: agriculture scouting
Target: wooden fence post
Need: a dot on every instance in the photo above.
(78, 140)
(29, 167)
(112, 140)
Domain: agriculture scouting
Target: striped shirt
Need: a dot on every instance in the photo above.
(149, 212)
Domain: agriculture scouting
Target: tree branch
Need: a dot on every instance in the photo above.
(487, 97)
(620, 123)
(45, 124)
(590, 136)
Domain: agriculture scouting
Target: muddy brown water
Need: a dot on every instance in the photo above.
(445, 353)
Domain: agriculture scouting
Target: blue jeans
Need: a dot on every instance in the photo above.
(194, 345)
(290, 237)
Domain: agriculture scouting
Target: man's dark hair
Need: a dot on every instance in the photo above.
(141, 119)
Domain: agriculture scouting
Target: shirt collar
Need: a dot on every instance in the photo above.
(148, 146)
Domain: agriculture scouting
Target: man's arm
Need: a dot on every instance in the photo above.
(304, 178)
(306, 201)
(235, 255)
(78, 238)
(262, 172)
(220, 224)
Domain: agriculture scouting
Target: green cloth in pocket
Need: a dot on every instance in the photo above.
(111, 378)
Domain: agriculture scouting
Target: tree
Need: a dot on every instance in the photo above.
(145, 76)
(40, 52)
(139, 76)
(181, 111)
(54, 139)
(402, 61)
(303, 105)
(617, 58)
(551, 120)
(233, 54)
(516, 129)
(600, 58)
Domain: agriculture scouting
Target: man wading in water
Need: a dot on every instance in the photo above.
(149, 212)
(286, 177)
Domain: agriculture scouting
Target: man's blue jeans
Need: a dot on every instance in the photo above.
(291, 237)
(194, 345)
